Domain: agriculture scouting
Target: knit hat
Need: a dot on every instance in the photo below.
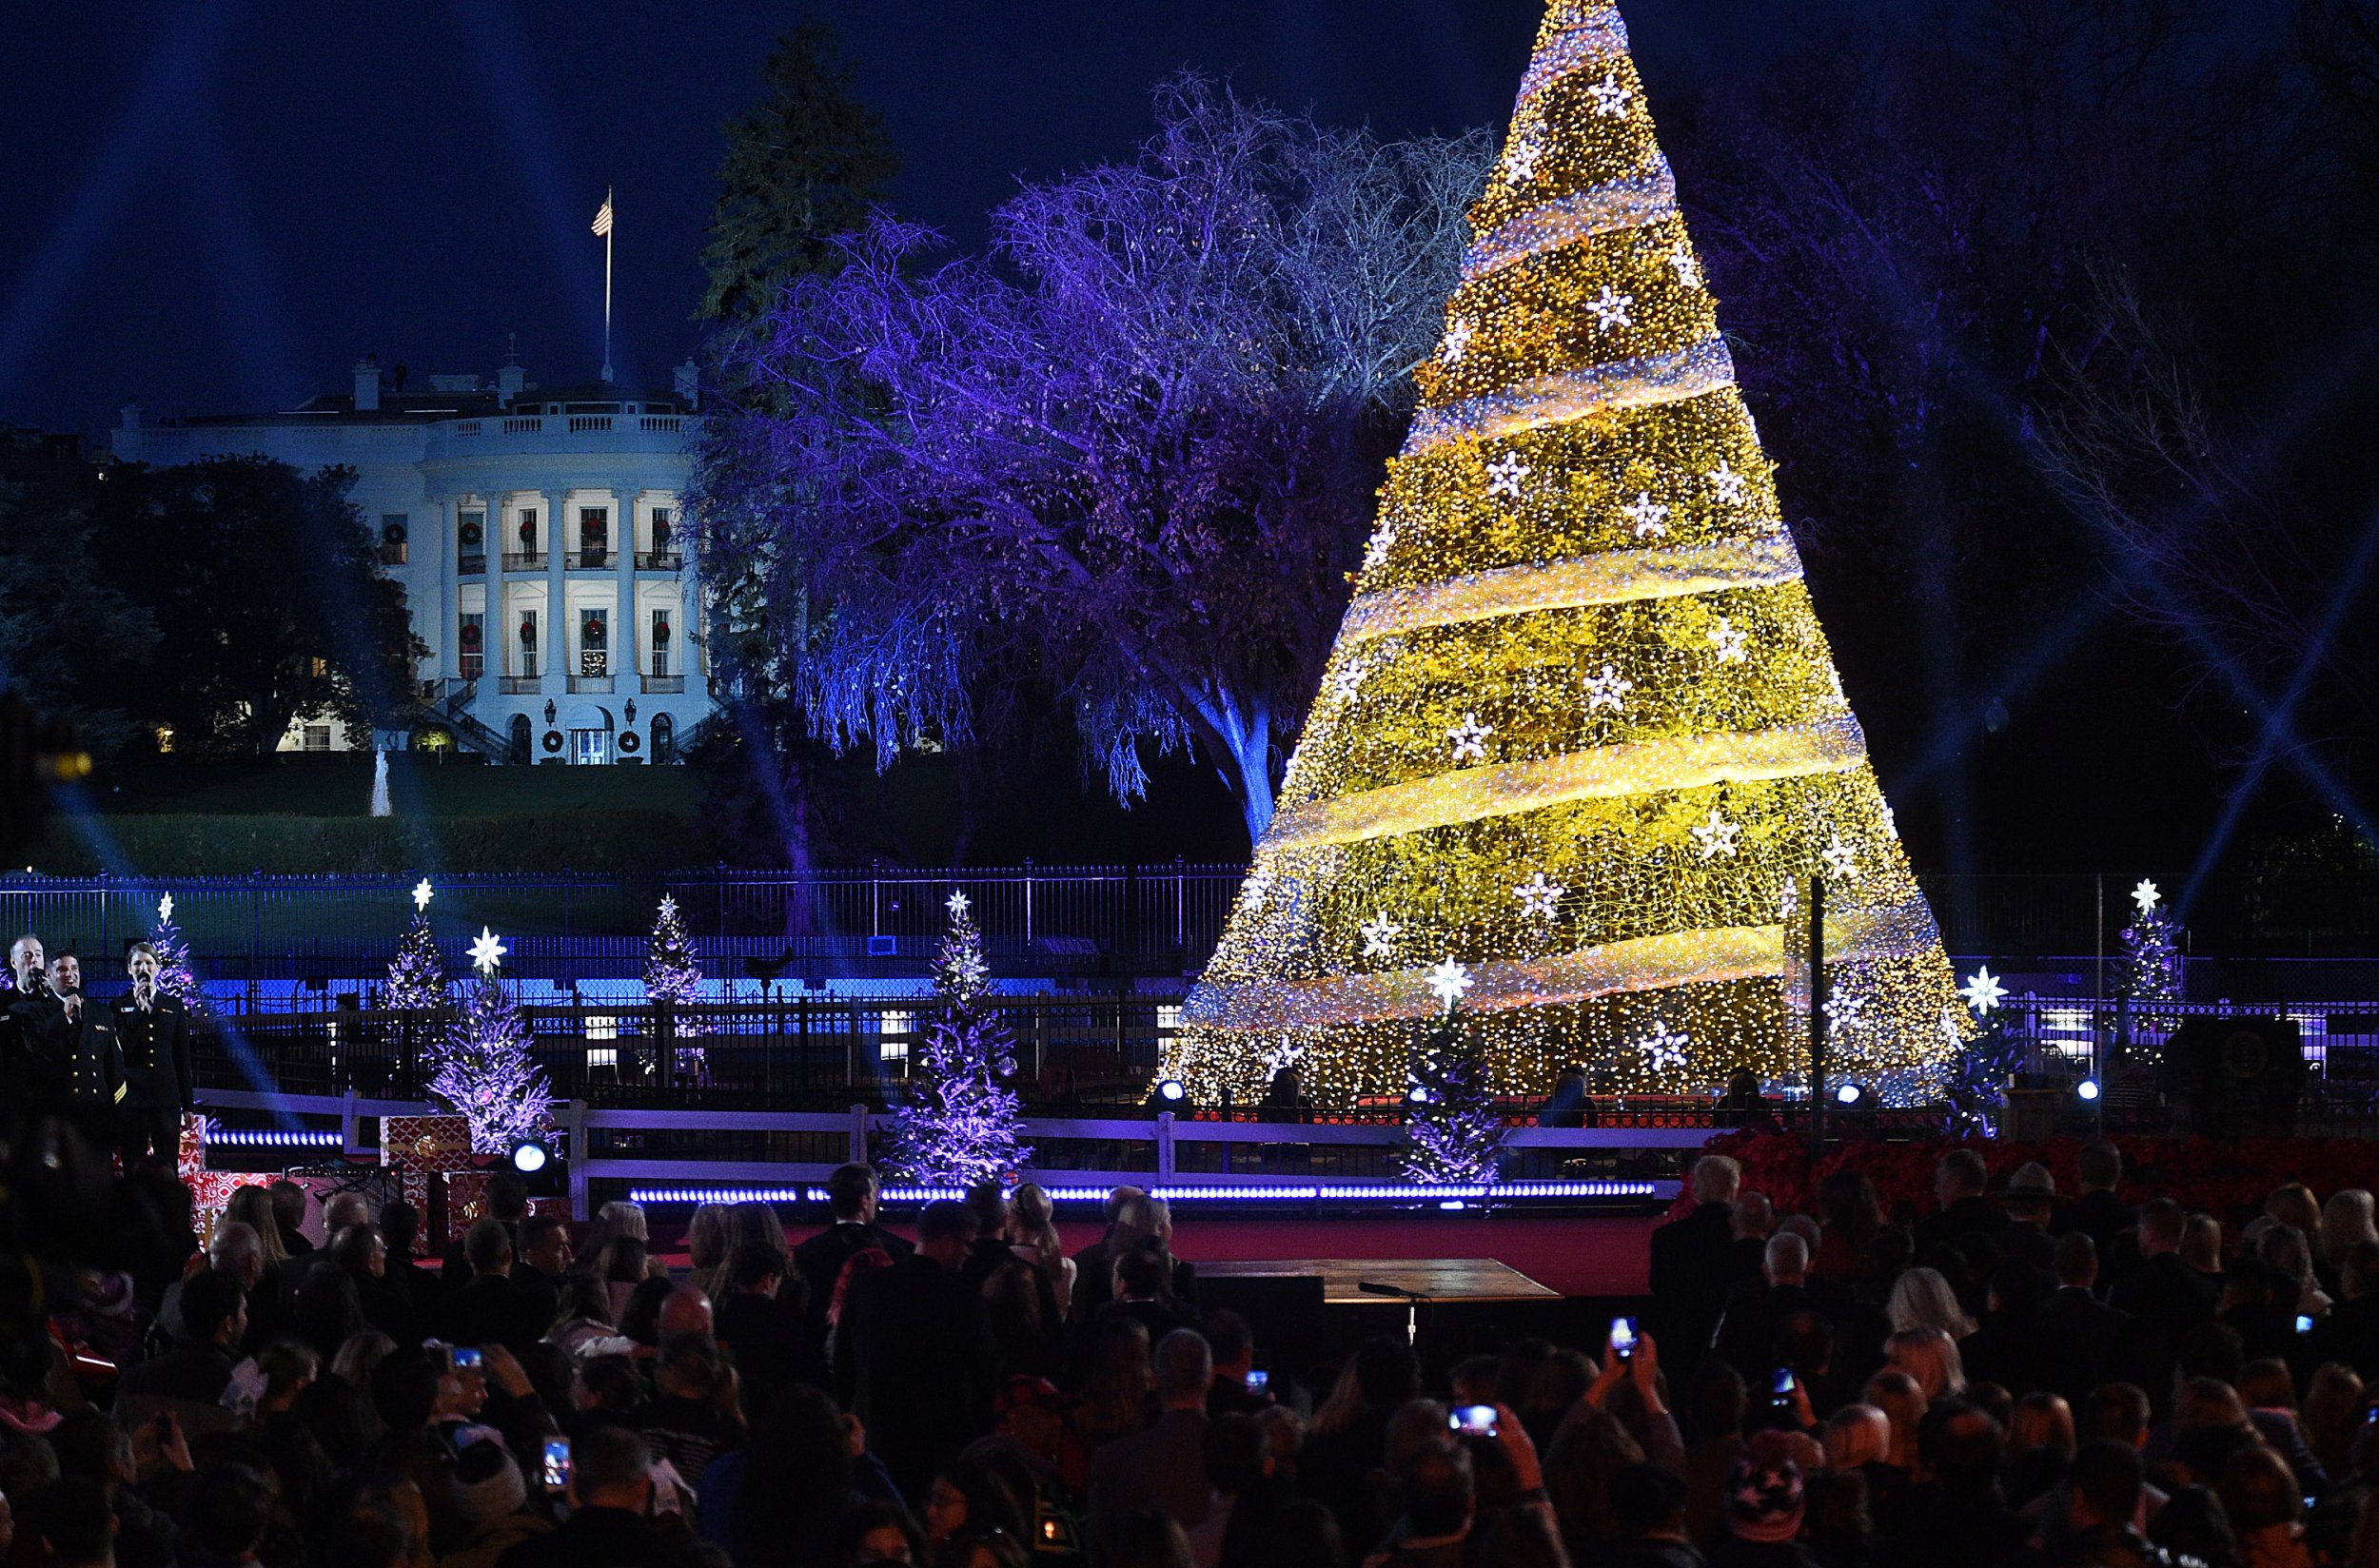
(486, 1483)
(1763, 1501)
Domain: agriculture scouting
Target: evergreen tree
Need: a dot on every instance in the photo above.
(1978, 1089)
(960, 1125)
(174, 959)
(674, 976)
(2149, 969)
(486, 1071)
(1580, 724)
(417, 978)
(1452, 1128)
(801, 167)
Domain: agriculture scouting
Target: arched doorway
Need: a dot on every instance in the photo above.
(590, 737)
(664, 740)
(520, 747)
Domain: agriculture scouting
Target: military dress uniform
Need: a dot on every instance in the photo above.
(155, 1042)
(78, 1057)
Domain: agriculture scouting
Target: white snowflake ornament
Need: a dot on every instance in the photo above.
(1717, 836)
(1729, 641)
(1649, 516)
(1379, 936)
(1537, 897)
(1520, 159)
(1504, 474)
(1611, 97)
(1375, 553)
(1664, 1048)
(1469, 738)
(1982, 989)
(1611, 309)
(1608, 689)
(1688, 266)
(1841, 861)
(1725, 483)
(1457, 343)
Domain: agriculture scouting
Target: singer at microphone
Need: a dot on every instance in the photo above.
(153, 1030)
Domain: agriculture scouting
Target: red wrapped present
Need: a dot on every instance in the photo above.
(426, 1142)
(190, 1155)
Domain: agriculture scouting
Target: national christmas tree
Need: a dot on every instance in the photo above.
(1580, 729)
(959, 1125)
(485, 1072)
(1454, 1130)
(674, 976)
(174, 959)
(417, 978)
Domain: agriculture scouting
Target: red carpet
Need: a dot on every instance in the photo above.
(1576, 1256)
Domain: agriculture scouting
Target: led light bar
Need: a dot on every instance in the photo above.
(271, 1138)
(1443, 1195)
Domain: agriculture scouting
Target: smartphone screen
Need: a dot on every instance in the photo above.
(2304, 1322)
(1783, 1385)
(1476, 1421)
(1258, 1382)
(467, 1359)
(1622, 1336)
(557, 1464)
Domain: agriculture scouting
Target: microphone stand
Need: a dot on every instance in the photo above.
(1412, 1300)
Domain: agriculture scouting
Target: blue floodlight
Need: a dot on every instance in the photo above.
(1849, 1094)
(529, 1156)
(1171, 1090)
(2088, 1089)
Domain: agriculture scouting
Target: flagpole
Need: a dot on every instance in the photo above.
(607, 228)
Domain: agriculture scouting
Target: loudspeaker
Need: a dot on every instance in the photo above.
(2236, 1077)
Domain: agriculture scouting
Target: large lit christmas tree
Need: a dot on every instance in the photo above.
(486, 1072)
(1581, 728)
(959, 1125)
(174, 959)
(674, 976)
(416, 980)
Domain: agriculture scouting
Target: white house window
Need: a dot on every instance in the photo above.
(318, 737)
(471, 540)
(528, 644)
(473, 646)
(593, 536)
(661, 644)
(594, 642)
(393, 529)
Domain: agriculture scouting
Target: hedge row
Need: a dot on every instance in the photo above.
(625, 842)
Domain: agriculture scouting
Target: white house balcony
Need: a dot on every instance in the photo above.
(664, 685)
(527, 561)
(659, 560)
(523, 434)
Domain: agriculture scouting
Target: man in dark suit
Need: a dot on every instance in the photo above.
(2031, 1195)
(2074, 1315)
(851, 1195)
(1755, 1308)
(25, 1064)
(1164, 1467)
(920, 1358)
(2010, 1347)
(545, 1259)
(401, 1224)
(1957, 1183)
(153, 1030)
(2160, 1287)
(761, 1323)
(2097, 1213)
(2351, 1333)
(1687, 1255)
(491, 1310)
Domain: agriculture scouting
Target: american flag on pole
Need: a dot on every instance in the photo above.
(603, 218)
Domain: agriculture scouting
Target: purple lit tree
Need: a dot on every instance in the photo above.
(1453, 1131)
(174, 960)
(417, 978)
(960, 1124)
(673, 976)
(486, 1070)
(1126, 456)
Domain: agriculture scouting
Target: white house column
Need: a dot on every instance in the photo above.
(496, 660)
(623, 658)
(449, 571)
(553, 640)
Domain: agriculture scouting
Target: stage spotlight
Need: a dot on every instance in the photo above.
(2088, 1089)
(1418, 1095)
(1170, 1090)
(529, 1157)
(1849, 1094)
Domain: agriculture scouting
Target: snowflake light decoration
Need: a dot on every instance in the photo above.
(1469, 738)
(1375, 552)
(1717, 836)
(1379, 935)
(1458, 336)
(1664, 1048)
(1611, 96)
(1504, 474)
(1520, 159)
(1982, 989)
(1348, 680)
(1845, 1010)
(1251, 892)
(1688, 267)
(1729, 641)
(1611, 309)
(1725, 483)
(1841, 861)
(1608, 689)
(1649, 516)
(1537, 897)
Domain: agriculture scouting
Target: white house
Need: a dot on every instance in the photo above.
(538, 535)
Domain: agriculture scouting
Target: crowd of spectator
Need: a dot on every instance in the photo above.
(2024, 1377)
(2034, 1376)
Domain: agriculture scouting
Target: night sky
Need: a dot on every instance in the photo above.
(218, 207)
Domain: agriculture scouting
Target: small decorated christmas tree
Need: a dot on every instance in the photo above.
(960, 1125)
(673, 975)
(174, 959)
(2150, 968)
(1452, 1128)
(418, 979)
(486, 1071)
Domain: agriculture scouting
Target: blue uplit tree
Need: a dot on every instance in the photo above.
(1454, 1130)
(486, 1070)
(1126, 456)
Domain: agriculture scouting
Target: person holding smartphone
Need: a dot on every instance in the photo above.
(1631, 1356)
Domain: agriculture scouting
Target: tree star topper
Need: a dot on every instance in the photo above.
(423, 893)
(487, 951)
(958, 904)
(1982, 991)
(1448, 980)
(2146, 895)
(165, 906)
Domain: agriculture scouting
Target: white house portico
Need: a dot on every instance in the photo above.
(539, 536)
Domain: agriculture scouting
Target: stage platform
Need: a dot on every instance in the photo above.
(1469, 1281)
